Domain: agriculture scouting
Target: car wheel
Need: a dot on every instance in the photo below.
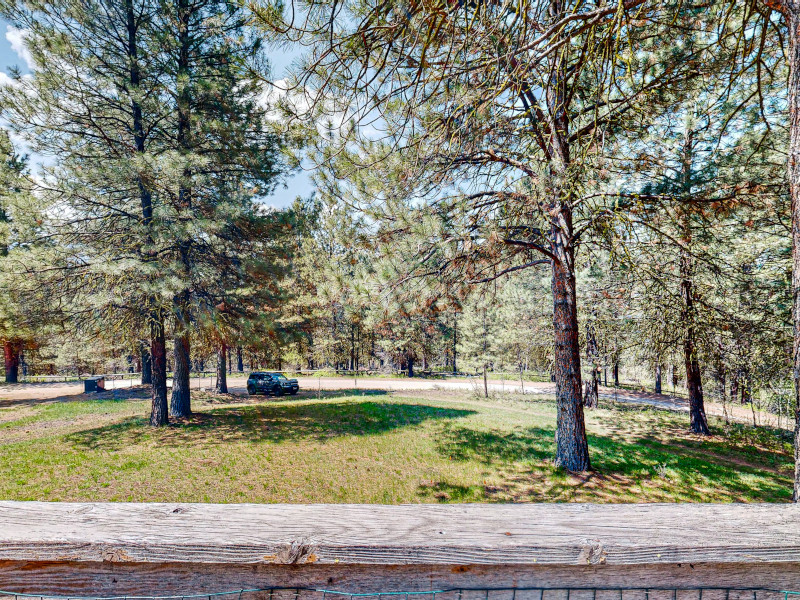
(250, 391)
(293, 392)
(277, 391)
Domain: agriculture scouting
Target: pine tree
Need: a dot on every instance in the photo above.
(15, 321)
(146, 201)
(498, 133)
(93, 103)
(219, 142)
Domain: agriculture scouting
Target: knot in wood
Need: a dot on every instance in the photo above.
(297, 552)
(592, 553)
(111, 554)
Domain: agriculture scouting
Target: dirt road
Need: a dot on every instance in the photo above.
(35, 393)
(238, 385)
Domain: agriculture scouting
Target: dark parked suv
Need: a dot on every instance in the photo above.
(275, 384)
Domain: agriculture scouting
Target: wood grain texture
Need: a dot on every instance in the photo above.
(86, 579)
(532, 534)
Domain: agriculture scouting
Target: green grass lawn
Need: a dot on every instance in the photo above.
(374, 447)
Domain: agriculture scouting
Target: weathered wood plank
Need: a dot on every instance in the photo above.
(566, 534)
(87, 579)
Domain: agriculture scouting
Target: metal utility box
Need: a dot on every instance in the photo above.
(94, 384)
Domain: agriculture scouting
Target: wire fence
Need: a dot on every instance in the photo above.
(510, 593)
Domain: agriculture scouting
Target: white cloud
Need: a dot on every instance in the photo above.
(16, 37)
(5, 79)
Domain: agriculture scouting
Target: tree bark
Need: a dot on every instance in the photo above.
(615, 371)
(352, 346)
(697, 413)
(410, 364)
(747, 392)
(572, 448)
(694, 384)
(12, 350)
(592, 391)
(658, 379)
(147, 365)
(793, 20)
(180, 404)
(222, 376)
(239, 360)
(455, 339)
(723, 392)
(790, 9)
(158, 356)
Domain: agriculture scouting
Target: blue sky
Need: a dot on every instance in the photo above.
(298, 185)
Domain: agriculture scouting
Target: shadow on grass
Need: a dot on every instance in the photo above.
(459, 443)
(758, 447)
(274, 422)
(659, 471)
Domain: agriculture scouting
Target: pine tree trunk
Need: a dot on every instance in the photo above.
(11, 350)
(694, 384)
(572, 449)
(222, 376)
(147, 365)
(455, 336)
(747, 395)
(615, 370)
(658, 379)
(793, 19)
(352, 346)
(724, 395)
(592, 391)
(791, 12)
(239, 360)
(697, 413)
(410, 366)
(154, 367)
(180, 404)
(158, 356)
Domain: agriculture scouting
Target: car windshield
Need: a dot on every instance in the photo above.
(280, 376)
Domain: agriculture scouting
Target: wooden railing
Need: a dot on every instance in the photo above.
(176, 549)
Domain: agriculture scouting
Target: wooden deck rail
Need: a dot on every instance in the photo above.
(161, 549)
